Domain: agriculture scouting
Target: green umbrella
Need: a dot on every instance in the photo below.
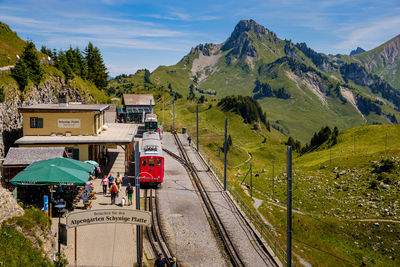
(65, 162)
(94, 163)
(50, 174)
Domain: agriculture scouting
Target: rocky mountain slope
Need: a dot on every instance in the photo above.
(383, 61)
(300, 89)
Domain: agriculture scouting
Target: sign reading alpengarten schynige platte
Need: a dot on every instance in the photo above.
(69, 123)
(81, 218)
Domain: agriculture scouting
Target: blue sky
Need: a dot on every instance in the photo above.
(145, 34)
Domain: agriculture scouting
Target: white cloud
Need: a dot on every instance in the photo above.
(370, 36)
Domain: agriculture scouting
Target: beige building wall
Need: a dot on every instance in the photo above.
(51, 123)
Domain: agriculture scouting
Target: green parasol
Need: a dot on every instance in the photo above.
(94, 163)
(50, 174)
(65, 162)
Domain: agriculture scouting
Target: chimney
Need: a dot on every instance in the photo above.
(63, 99)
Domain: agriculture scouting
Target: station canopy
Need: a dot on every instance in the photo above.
(45, 172)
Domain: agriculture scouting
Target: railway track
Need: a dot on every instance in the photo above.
(216, 221)
(258, 246)
(154, 234)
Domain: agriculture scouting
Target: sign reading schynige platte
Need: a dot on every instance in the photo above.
(69, 123)
(81, 218)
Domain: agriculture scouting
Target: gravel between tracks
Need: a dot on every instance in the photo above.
(182, 216)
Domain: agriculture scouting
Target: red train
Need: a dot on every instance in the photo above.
(151, 159)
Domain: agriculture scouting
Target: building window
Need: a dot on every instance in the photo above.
(36, 122)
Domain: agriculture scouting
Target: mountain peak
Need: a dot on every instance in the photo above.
(359, 50)
(242, 38)
(249, 25)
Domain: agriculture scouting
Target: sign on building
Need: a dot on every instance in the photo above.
(69, 123)
(81, 218)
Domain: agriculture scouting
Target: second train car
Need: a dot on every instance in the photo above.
(151, 123)
(151, 159)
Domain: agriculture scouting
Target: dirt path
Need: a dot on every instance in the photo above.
(250, 156)
(377, 220)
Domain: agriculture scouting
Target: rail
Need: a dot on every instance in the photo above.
(154, 232)
(216, 220)
(264, 230)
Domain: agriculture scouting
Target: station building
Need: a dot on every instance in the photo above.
(80, 128)
(136, 106)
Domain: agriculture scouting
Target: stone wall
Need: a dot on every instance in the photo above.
(8, 205)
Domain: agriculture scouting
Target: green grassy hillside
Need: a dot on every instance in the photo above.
(342, 215)
(21, 239)
(10, 45)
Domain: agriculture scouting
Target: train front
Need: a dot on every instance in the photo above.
(151, 162)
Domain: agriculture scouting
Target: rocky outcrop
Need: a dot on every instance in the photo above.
(384, 61)
(46, 92)
(203, 49)
(359, 50)
(8, 205)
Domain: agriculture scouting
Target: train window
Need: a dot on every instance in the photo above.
(158, 162)
(151, 162)
(144, 162)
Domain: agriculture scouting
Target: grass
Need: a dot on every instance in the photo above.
(10, 45)
(18, 250)
(331, 231)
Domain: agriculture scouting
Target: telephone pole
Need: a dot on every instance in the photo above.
(173, 120)
(197, 127)
(289, 206)
(273, 178)
(225, 151)
(138, 228)
(251, 180)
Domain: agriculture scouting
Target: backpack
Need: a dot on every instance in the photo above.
(130, 190)
(114, 189)
(117, 180)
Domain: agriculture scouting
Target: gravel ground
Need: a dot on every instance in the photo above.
(184, 222)
(243, 239)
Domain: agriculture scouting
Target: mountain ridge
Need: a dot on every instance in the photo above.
(313, 81)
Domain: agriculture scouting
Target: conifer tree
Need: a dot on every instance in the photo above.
(31, 59)
(96, 70)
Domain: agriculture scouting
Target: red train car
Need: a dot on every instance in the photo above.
(151, 159)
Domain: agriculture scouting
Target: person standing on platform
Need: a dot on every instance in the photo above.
(129, 192)
(110, 180)
(113, 192)
(104, 183)
(118, 181)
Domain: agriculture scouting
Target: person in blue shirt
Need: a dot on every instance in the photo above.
(110, 180)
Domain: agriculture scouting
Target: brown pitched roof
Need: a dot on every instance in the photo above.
(17, 156)
(138, 100)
